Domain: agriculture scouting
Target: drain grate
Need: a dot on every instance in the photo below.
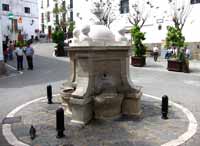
(11, 120)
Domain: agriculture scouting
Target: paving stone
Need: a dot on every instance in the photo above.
(148, 130)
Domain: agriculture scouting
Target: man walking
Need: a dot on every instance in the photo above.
(29, 56)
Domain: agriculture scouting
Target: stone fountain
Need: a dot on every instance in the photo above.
(100, 86)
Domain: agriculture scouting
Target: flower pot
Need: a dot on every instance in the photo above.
(178, 66)
(138, 61)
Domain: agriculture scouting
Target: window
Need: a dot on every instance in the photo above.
(64, 17)
(71, 4)
(42, 17)
(71, 16)
(5, 7)
(195, 1)
(48, 16)
(41, 3)
(124, 6)
(47, 3)
(57, 19)
(42, 28)
(64, 5)
(27, 10)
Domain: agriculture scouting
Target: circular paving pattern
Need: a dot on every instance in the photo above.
(148, 130)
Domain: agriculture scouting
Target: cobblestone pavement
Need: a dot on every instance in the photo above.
(149, 130)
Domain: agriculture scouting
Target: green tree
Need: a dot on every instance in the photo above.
(137, 38)
(174, 37)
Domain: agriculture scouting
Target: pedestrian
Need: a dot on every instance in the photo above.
(10, 50)
(29, 56)
(19, 54)
(187, 53)
(155, 53)
(5, 51)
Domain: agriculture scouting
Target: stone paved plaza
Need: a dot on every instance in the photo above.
(148, 130)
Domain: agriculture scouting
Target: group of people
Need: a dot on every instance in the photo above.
(19, 50)
(8, 48)
(173, 51)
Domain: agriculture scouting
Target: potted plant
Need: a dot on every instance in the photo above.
(178, 62)
(58, 38)
(139, 48)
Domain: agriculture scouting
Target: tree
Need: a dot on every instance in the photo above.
(137, 38)
(140, 12)
(180, 10)
(103, 12)
(60, 13)
(174, 37)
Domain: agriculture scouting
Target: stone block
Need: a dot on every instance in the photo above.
(107, 105)
(65, 96)
(81, 110)
(131, 106)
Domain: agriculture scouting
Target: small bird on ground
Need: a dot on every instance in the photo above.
(32, 132)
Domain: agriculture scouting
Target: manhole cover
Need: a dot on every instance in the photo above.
(11, 120)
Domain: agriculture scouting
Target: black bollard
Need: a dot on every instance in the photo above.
(49, 94)
(60, 127)
(164, 107)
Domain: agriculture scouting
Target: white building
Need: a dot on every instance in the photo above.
(23, 16)
(155, 18)
(155, 26)
(48, 17)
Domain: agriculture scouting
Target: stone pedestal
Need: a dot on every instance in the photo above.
(100, 78)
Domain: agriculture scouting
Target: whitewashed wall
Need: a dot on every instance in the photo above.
(17, 8)
(153, 35)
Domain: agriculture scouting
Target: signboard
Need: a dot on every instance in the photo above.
(19, 20)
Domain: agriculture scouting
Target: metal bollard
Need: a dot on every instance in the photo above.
(49, 94)
(60, 127)
(164, 107)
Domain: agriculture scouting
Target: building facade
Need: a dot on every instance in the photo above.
(157, 21)
(159, 16)
(19, 16)
(155, 27)
(50, 12)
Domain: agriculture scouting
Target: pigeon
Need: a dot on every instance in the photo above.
(32, 132)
